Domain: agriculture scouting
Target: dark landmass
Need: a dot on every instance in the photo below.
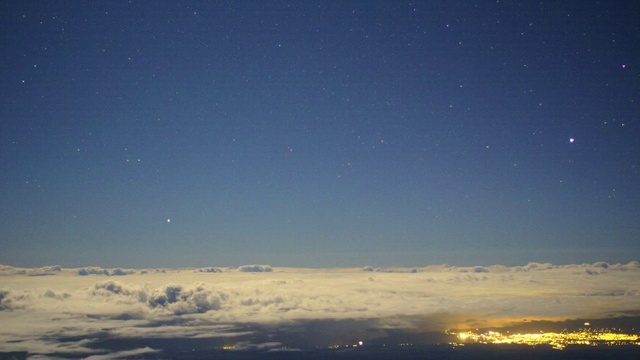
(473, 352)
(332, 339)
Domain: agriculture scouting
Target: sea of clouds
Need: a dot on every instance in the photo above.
(80, 312)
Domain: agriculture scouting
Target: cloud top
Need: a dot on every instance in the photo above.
(216, 303)
(255, 268)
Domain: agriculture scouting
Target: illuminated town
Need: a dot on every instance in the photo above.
(585, 336)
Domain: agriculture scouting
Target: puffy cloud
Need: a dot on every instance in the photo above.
(52, 295)
(255, 268)
(173, 298)
(479, 269)
(121, 272)
(95, 270)
(4, 299)
(534, 266)
(14, 300)
(44, 271)
(601, 264)
(111, 287)
(374, 303)
(123, 354)
(186, 300)
(633, 265)
(41, 271)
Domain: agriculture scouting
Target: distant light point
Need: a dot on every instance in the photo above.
(168, 220)
(571, 140)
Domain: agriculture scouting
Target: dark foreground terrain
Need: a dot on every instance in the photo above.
(474, 352)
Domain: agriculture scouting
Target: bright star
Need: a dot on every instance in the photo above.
(571, 140)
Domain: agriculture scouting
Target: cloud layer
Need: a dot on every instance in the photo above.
(235, 305)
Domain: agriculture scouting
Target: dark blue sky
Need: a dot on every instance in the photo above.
(319, 133)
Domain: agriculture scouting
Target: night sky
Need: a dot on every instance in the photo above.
(319, 133)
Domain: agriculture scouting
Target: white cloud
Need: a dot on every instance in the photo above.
(123, 354)
(255, 268)
(95, 270)
(196, 298)
(210, 270)
(41, 271)
(201, 305)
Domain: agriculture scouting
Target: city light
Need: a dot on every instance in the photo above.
(591, 337)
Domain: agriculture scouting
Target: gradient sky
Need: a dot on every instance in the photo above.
(319, 133)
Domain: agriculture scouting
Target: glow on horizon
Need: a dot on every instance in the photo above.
(592, 337)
